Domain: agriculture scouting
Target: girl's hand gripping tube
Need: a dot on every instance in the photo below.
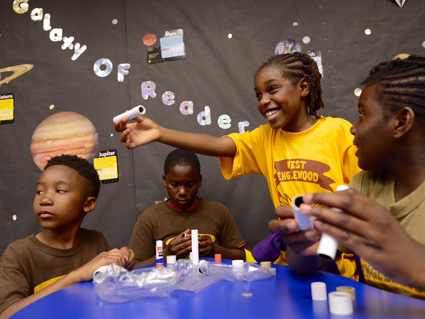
(135, 111)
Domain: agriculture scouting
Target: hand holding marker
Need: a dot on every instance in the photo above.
(135, 111)
(328, 245)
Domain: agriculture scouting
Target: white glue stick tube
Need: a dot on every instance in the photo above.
(304, 222)
(135, 111)
(195, 246)
(328, 245)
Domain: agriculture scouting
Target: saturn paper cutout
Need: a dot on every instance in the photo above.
(17, 70)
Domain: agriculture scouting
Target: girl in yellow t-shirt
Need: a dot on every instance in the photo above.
(297, 151)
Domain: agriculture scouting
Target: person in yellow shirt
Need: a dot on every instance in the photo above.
(298, 151)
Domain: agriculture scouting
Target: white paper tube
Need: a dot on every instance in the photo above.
(318, 291)
(340, 303)
(195, 246)
(304, 222)
(328, 246)
(135, 111)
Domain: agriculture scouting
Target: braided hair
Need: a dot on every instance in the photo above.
(87, 172)
(181, 158)
(294, 67)
(400, 83)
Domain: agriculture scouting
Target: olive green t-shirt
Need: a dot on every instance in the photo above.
(409, 212)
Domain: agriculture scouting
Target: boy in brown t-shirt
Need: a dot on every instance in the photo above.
(172, 221)
(63, 253)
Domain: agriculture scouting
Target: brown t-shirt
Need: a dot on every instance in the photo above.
(27, 263)
(161, 222)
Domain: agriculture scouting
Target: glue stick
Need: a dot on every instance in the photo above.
(159, 253)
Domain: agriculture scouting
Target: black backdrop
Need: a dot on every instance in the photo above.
(217, 72)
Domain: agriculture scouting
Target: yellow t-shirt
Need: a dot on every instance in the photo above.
(316, 160)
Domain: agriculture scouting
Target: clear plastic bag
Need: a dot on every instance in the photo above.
(193, 277)
(243, 272)
(116, 284)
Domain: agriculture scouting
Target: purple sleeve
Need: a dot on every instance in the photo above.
(269, 249)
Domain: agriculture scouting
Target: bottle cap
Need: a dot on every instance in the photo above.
(318, 291)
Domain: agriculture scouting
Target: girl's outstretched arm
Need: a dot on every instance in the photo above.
(145, 131)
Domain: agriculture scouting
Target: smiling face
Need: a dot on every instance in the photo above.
(182, 183)
(373, 133)
(282, 103)
(60, 201)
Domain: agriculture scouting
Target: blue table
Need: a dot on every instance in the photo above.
(285, 296)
